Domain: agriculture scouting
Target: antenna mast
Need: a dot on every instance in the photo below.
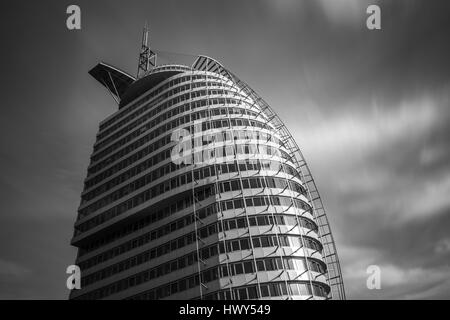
(147, 58)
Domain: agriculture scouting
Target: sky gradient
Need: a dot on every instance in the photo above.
(369, 109)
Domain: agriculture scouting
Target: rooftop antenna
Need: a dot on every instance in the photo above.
(147, 58)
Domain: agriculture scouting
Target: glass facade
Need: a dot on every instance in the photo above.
(193, 193)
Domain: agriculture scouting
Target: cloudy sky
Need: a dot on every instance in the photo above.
(370, 109)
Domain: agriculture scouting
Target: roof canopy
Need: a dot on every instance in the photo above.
(204, 63)
(115, 80)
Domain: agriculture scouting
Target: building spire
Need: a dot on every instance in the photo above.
(147, 58)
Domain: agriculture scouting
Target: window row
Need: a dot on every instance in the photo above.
(185, 240)
(266, 201)
(181, 180)
(160, 143)
(198, 157)
(93, 168)
(150, 218)
(149, 105)
(208, 154)
(166, 127)
(231, 136)
(146, 99)
(271, 241)
(190, 259)
(199, 174)
(266, 220)
(261, 182)
(178, 264)
(207, 275)
(169, 114)
(265, 290)
(115, 211)
(271, 264)
(199, 141)
(201, 213)
(146, 164)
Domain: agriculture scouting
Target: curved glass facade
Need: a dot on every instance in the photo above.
(194, 192)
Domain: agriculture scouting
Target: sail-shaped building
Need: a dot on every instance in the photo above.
(197, 190)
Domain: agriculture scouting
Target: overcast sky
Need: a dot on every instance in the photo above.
(370, 110)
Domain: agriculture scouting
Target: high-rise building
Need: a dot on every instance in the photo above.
(196, 190)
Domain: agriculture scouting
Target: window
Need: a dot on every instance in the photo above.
(289, 264)
(241, 223)
(212, 229)
(191, 281)
(295, 242)
(159, 293)
(224, 271)
(224, 168)
(182, 285)
(248, 267)
(283, 289)
(294, 289)
(245, 244)
(205, 254)
(299, 264)
(270, 265)
(284, 241)
(167, 291)
(253, 183)
(243, 294)
(305, 290)
(290, 220)
(260, 265)
(252, 293)
(260, 220)
(238, 268)
(238, 203)
(190, 260)
(203, 233)
(207, 276)
(181, 263)
(265, 242)
(265, 291)
(229, 150)
(228, 295)
(278, 263)
(274, 289)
